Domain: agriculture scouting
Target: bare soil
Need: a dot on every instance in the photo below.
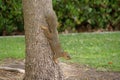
(71, 72)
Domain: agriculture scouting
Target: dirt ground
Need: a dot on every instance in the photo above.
(71, 72)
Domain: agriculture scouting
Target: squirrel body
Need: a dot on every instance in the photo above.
(51, 33)
(55, 45)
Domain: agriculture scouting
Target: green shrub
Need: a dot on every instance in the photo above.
(10, 16)
(94, 14)
(72, 15)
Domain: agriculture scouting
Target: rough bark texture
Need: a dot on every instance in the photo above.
(39, 63)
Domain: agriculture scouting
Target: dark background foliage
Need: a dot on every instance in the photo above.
(11, 19)
(73, 16)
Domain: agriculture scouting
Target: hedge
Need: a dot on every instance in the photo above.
(73, 15)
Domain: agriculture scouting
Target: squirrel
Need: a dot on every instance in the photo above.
(55, 45)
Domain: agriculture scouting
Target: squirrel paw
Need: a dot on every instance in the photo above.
(56, 61)
(44, 28)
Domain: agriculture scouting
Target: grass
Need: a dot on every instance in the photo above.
(12, 47)
(101, 51)
(98, 50)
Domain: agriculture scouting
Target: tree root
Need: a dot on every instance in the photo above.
(13, 69)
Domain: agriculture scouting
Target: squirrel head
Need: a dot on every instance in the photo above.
(66, 56)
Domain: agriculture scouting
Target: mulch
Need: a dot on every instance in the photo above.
(71, 71)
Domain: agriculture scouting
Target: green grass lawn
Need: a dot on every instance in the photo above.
(98, 50)
(12, 47)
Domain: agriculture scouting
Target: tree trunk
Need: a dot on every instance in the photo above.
(39, 63)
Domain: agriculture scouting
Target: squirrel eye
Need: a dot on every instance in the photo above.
(68, 56)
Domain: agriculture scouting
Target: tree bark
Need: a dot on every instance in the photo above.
(39, 63)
